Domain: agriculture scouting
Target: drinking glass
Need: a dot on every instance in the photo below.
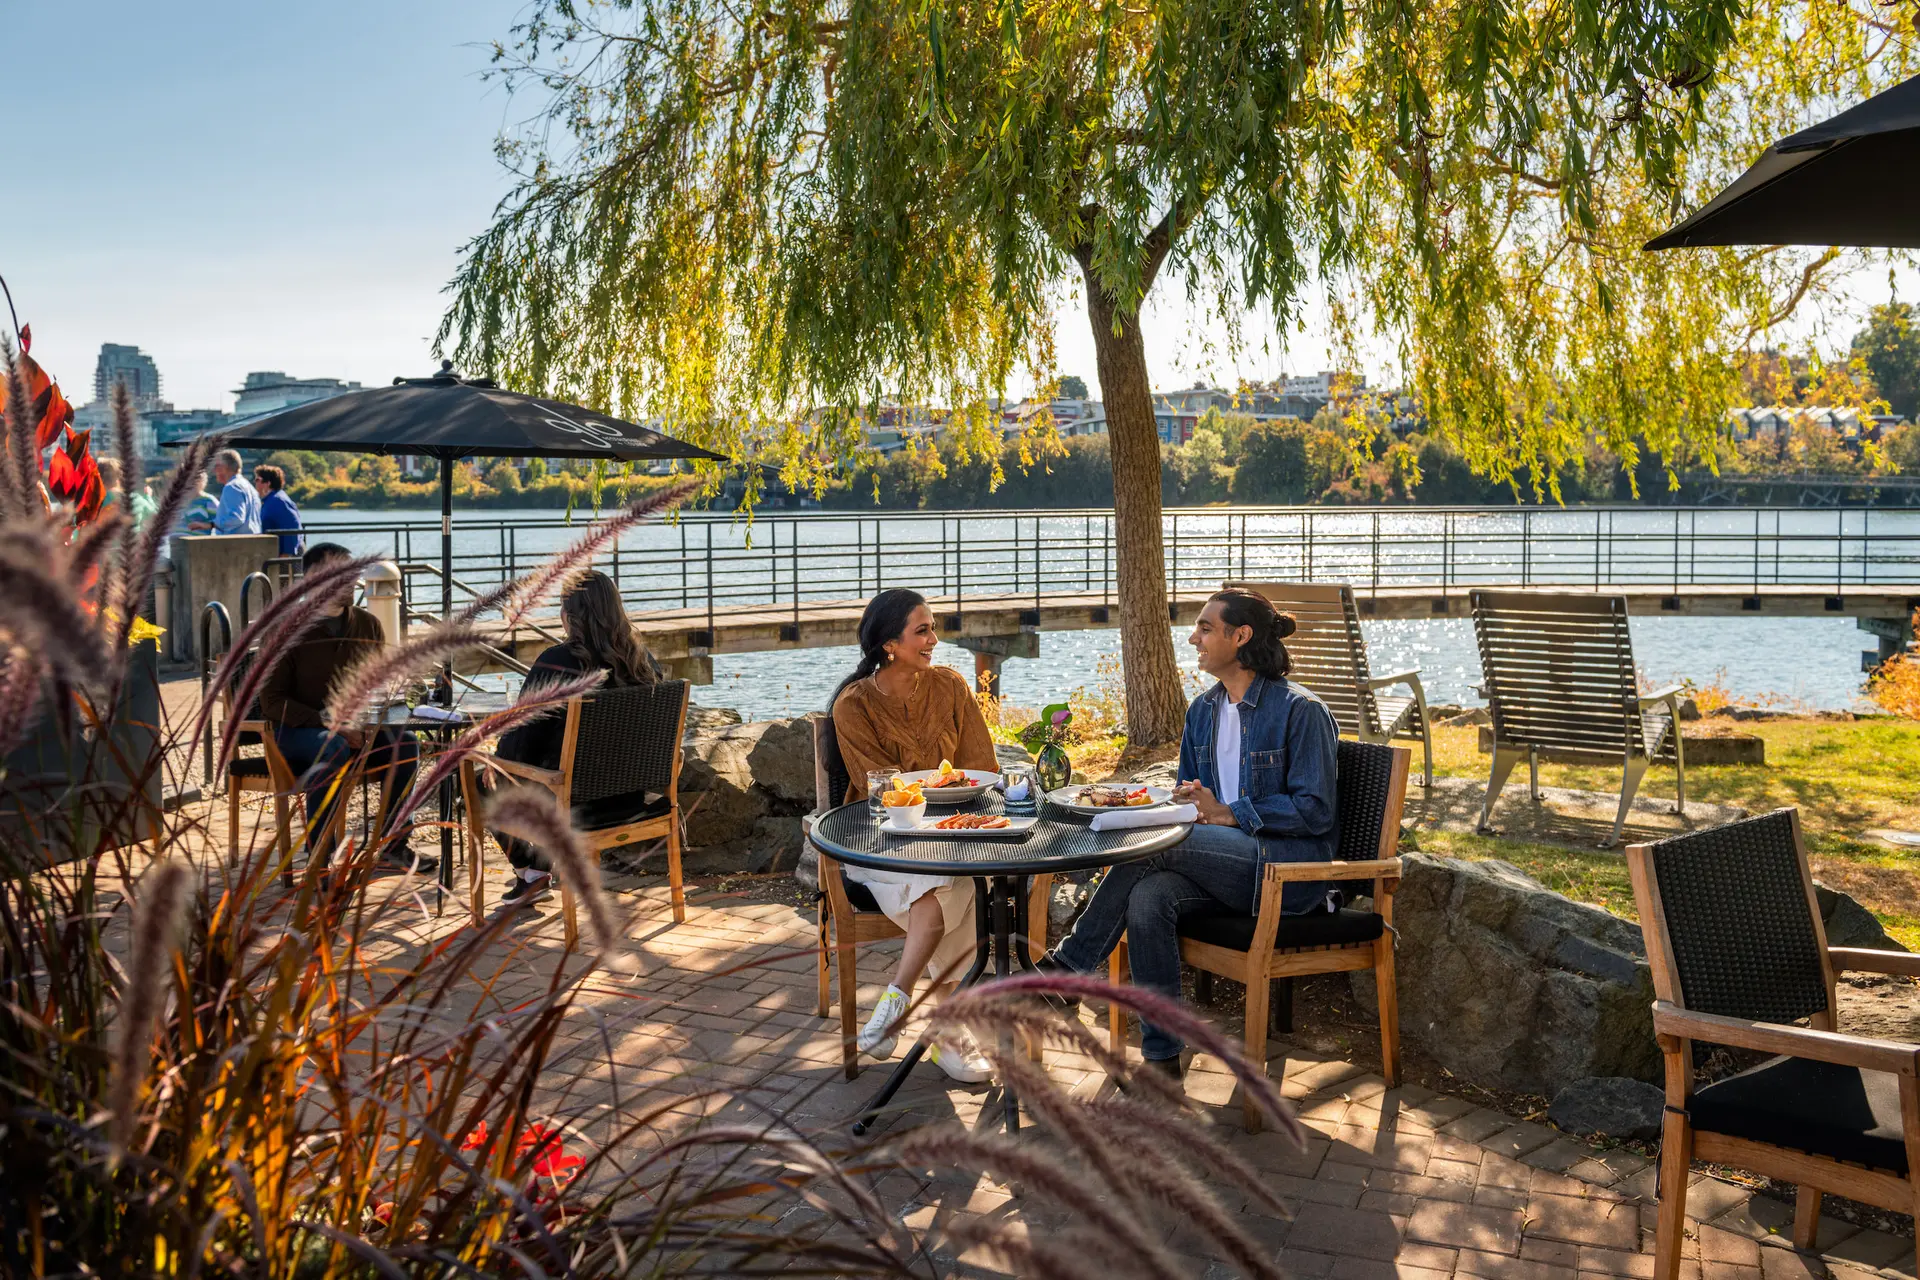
(1017, 785)
(878, 780)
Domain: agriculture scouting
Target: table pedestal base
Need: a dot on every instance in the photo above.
(1000, 922)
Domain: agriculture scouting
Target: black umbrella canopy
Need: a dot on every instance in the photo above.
(1852, 180)
(446, 416)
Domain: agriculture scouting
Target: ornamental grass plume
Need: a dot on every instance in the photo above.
(533, 815)
(379, 675)
(158, 908)
(20, 492)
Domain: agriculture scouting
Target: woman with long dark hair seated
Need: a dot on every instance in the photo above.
(599, 638)
(1257, 760)
(900, 712)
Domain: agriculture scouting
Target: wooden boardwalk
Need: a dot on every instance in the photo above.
(1006, 625)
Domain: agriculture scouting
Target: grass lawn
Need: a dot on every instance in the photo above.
(1846, 777)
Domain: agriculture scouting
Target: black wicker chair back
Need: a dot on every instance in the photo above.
(1362, 791)
(829, 766)
(1739, 923)
(627, 740)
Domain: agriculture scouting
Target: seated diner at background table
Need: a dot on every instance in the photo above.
(293, 699)
(600, 637)
(900, 712)
(1257, 762)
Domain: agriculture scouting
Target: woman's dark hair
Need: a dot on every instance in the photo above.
(885, 619)
(1262, 654)
(599, 633)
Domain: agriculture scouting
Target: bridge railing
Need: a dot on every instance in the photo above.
(704, 564)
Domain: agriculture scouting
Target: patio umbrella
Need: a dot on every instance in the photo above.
(448, 417)
(1852, 180)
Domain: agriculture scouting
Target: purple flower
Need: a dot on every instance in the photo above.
(1062, 716)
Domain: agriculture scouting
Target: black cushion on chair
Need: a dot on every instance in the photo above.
(1234, 931)
(859, 896)
(1843, 1113)
(248, 767)
(615, 811)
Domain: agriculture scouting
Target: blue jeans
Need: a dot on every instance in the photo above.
(317, 757)
(1213, 869)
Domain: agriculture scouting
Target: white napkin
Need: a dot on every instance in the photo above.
(431, 711)
(1161, 816)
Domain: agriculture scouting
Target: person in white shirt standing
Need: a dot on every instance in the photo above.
(239, 509)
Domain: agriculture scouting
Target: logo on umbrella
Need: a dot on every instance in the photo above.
(601, 435)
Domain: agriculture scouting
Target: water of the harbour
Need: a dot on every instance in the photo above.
(1810, 663)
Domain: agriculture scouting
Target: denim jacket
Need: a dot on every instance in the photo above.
(1287, 769)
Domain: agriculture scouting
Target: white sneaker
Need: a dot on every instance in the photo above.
(960, 1057)
(880, 1033)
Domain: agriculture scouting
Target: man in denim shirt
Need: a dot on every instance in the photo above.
(1257, 762)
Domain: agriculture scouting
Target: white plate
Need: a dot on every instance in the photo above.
(931, 827)
(953, 795)
(1066, 798)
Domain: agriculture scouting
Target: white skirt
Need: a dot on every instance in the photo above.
(896, 892)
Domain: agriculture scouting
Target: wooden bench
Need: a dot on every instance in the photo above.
(1330, 657)
(1561, 685)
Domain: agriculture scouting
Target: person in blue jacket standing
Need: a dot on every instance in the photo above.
(1257, 762)
(277, 512)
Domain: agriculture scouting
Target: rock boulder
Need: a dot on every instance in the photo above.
(743, 788)
(1611, 1105)
(1510, 985)
(1848, 924)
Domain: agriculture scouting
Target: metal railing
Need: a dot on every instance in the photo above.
(703, 565)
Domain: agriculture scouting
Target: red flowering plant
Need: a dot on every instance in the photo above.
(71, 476)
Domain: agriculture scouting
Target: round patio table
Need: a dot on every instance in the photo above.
(435, 731)
(999, 867)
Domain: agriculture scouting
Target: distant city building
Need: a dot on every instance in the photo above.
(130, 367)
(270, 390)
(171, 425)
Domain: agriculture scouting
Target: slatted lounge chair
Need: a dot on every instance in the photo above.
(1561, 686)
(1330, 657)
(1739, 956)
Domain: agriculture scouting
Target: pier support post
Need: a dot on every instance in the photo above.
(990, 654)
(694, 670)
(1894, 634)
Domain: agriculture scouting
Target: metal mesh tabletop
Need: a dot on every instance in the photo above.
(1060, 841)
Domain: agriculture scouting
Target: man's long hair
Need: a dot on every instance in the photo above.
(1263, 653)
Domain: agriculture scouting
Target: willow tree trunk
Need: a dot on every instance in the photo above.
(1156, 709)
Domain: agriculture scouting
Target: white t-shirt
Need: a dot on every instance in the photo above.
(1226, 751)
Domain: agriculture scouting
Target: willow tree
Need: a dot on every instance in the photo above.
(753, 217)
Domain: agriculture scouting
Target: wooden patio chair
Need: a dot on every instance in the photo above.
(1561, 685)
(1258, 949)
(1329, 656)
(618, 742)
(847, 916)
(1739, 955)
(268, 773)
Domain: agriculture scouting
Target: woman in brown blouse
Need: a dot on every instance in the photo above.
(900, 712)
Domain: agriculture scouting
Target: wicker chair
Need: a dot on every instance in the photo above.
(847, 915)
(1260, 948)
(618, 743)
(1738, 954)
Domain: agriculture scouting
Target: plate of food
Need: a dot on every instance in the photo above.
(947, 785)
(1099, 797)
(964, 826)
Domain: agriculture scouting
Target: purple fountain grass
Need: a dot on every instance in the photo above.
(282, 624)
(532, 814)
(1054, 1255)
(158, 908)
(1122, 1167)
(1126, 1121)
(20, 679)
(152, 538)
(22, 475)
(125, 604)
(543, 700)
(39, 608)
(1169, 1014)
(520, 596)
(939, 1146)
(372, 678)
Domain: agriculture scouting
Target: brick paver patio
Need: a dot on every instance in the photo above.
(1400, 1182)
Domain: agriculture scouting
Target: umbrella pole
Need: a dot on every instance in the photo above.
(446, 615)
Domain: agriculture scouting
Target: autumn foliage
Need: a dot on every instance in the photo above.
(72, 477)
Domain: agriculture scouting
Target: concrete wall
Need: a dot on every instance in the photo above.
(212, 567)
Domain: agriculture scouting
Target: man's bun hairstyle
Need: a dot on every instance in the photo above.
(1262, 654)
